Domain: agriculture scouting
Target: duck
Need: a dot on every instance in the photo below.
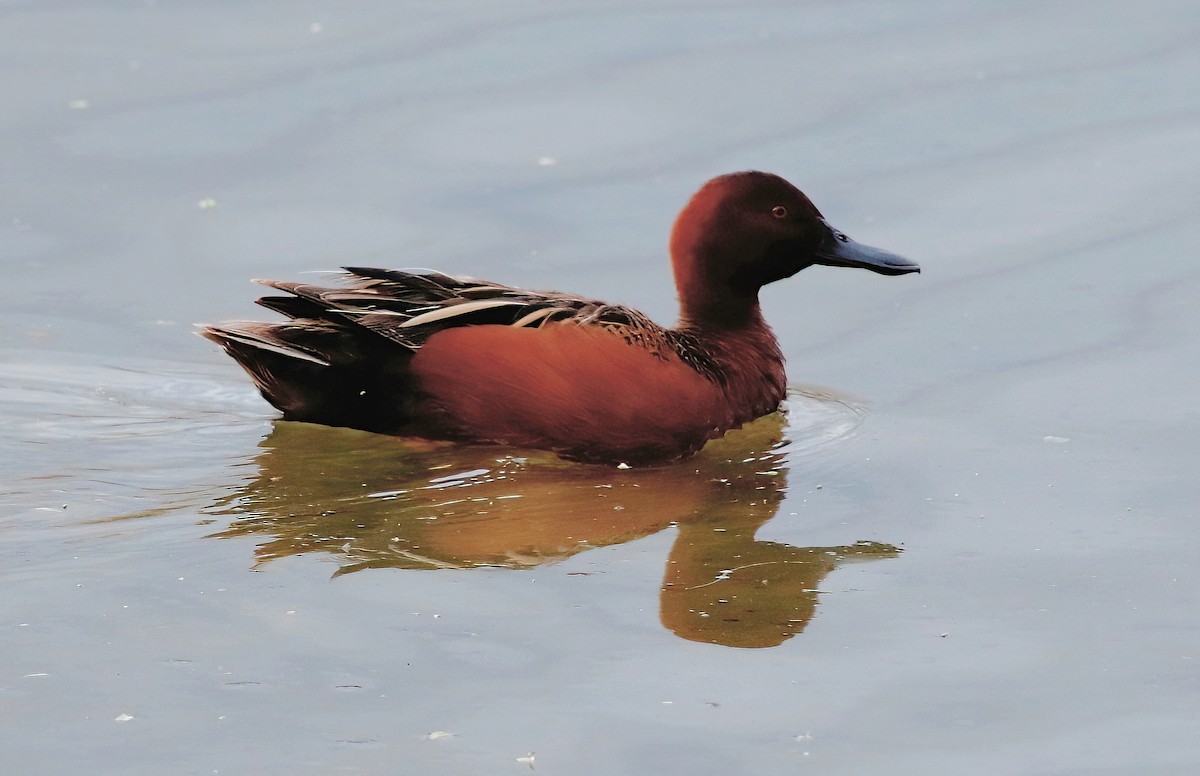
(418, 353)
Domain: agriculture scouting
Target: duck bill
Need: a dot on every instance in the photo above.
(838, 250)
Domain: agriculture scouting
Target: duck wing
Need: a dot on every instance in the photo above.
(342, 357)
(407, 307)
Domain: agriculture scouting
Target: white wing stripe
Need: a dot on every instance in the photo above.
(261, 344)
(465, 308)
(537, 316)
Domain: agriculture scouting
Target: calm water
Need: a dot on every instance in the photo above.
(972, 550)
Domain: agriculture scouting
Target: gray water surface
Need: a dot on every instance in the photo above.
(972, 550)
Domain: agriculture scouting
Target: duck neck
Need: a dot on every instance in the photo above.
(746, 357)
(710, 299)
(713, 317)
(725, 313)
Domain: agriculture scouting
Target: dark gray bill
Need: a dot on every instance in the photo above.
(838, 250)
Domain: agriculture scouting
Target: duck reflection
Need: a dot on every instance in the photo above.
(378, 501)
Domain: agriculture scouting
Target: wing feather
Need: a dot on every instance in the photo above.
(407, 307)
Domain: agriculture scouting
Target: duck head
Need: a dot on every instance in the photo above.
(744, 230)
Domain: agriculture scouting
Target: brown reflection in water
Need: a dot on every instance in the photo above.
(379, 501)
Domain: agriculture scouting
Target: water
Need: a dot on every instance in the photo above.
(973, 550)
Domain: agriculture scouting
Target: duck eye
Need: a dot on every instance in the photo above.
(779, 211)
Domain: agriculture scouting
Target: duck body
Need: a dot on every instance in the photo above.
(420, 353)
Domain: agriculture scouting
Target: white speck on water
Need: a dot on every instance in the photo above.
(1055, 440)
(314, 28)
(624, 466)
(547, 161)
(207, 203)
(437, 735)
(456, 479)
(386, 493)
(78, 104)
(122, 717)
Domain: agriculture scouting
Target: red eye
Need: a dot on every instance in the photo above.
(779, 211)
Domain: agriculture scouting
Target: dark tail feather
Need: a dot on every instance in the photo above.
(293, 306)
(318, 372)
